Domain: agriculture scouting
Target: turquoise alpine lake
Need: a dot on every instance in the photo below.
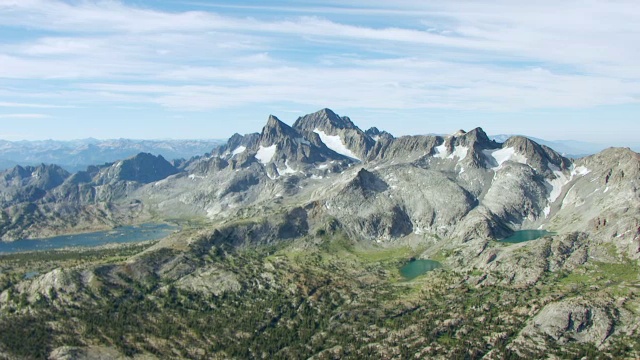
(415, 268)
(121, 235)
(525, 235)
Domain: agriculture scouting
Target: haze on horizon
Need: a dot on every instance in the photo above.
(175, 69)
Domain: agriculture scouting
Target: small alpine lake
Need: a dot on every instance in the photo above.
(415, 268)
(120, 235)
(526, 235)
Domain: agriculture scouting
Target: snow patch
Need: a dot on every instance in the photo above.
(441, 151)
(334, 142)
(555, 185)
(266, 154)
(580, 170)
(322, 167)
(239, 150)
(498, 157)
(561, 180)
(547, 211)
(287, 170)
(460, 152)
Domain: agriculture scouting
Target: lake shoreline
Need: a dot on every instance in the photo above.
(129, 234)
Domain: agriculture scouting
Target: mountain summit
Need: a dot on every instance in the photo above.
(324, 119)
(275, 131)
(338, 133)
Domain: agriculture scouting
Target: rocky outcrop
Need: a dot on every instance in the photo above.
(211, 281)
(582, 319)
(340, 133)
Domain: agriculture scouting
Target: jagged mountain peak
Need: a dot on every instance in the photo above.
(465, 146)
(276, 131)
(274, 121)
(237, 144)
(475, 136)
(373, 131)
(325, 120)
(377, 134)
(235, 138)
(339, 134)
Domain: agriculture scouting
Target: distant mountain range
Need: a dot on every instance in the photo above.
(76, 155)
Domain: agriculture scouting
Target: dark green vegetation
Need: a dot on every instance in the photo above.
(328, 298)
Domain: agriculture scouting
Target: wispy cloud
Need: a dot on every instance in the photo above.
(459, 54)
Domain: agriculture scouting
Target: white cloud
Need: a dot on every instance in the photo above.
(489, 55)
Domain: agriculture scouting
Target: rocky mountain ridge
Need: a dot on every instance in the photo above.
(317, 195)
(468, 185)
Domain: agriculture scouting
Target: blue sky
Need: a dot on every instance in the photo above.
(207, 69)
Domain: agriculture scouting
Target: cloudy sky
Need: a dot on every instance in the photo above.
(207, 69)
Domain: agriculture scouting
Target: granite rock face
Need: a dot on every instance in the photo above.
(576, 319)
